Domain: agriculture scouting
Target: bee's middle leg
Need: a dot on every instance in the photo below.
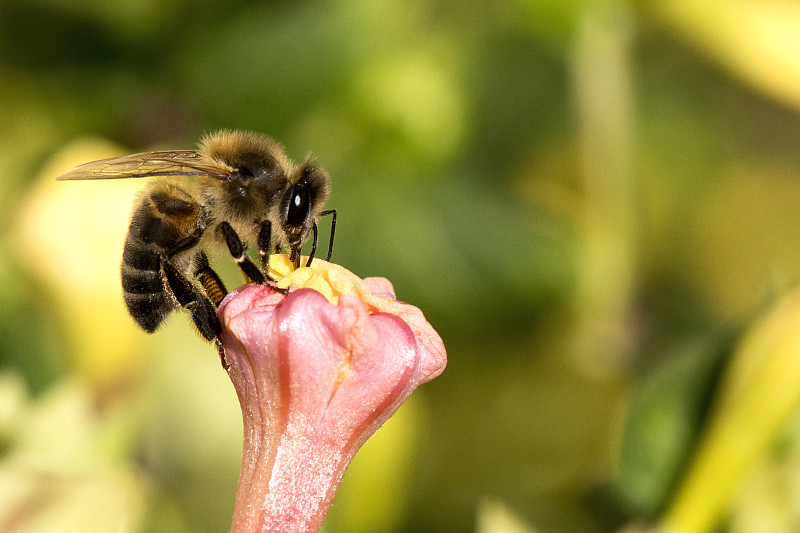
(265, 245)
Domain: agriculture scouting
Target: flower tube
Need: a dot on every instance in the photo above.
(317, 372)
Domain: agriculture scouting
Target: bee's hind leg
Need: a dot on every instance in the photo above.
(204, 315)
(216, 292)
(202, 310)
(211, 282)
(221, 351)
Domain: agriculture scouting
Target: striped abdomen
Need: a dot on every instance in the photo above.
(164, 218)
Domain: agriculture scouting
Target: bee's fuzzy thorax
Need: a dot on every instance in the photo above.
(236, 148)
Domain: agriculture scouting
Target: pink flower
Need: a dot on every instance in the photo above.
(315, 380)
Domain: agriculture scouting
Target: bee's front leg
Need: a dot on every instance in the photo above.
(265, 245)
(239, 254)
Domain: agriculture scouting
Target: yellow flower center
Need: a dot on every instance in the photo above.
(330, 279)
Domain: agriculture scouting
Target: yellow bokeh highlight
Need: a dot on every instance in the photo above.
(71, 234)
(759, 40)
(417, 96)
(63, 471)
(760, 391)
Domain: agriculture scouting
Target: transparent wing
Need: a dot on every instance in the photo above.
(149, 164)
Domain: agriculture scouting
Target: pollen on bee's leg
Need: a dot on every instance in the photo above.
(211, 282)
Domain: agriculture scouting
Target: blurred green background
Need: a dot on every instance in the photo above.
(596, 204)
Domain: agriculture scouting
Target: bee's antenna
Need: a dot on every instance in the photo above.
(313, 245)
(333, 230)
(316, 234)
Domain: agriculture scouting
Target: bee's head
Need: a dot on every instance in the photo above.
(302, 203)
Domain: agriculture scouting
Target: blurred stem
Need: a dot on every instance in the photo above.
(606, 262)
(760, 391)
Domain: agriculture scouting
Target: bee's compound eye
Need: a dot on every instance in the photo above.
(299, 204)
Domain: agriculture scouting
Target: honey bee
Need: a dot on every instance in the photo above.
(236, 189)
